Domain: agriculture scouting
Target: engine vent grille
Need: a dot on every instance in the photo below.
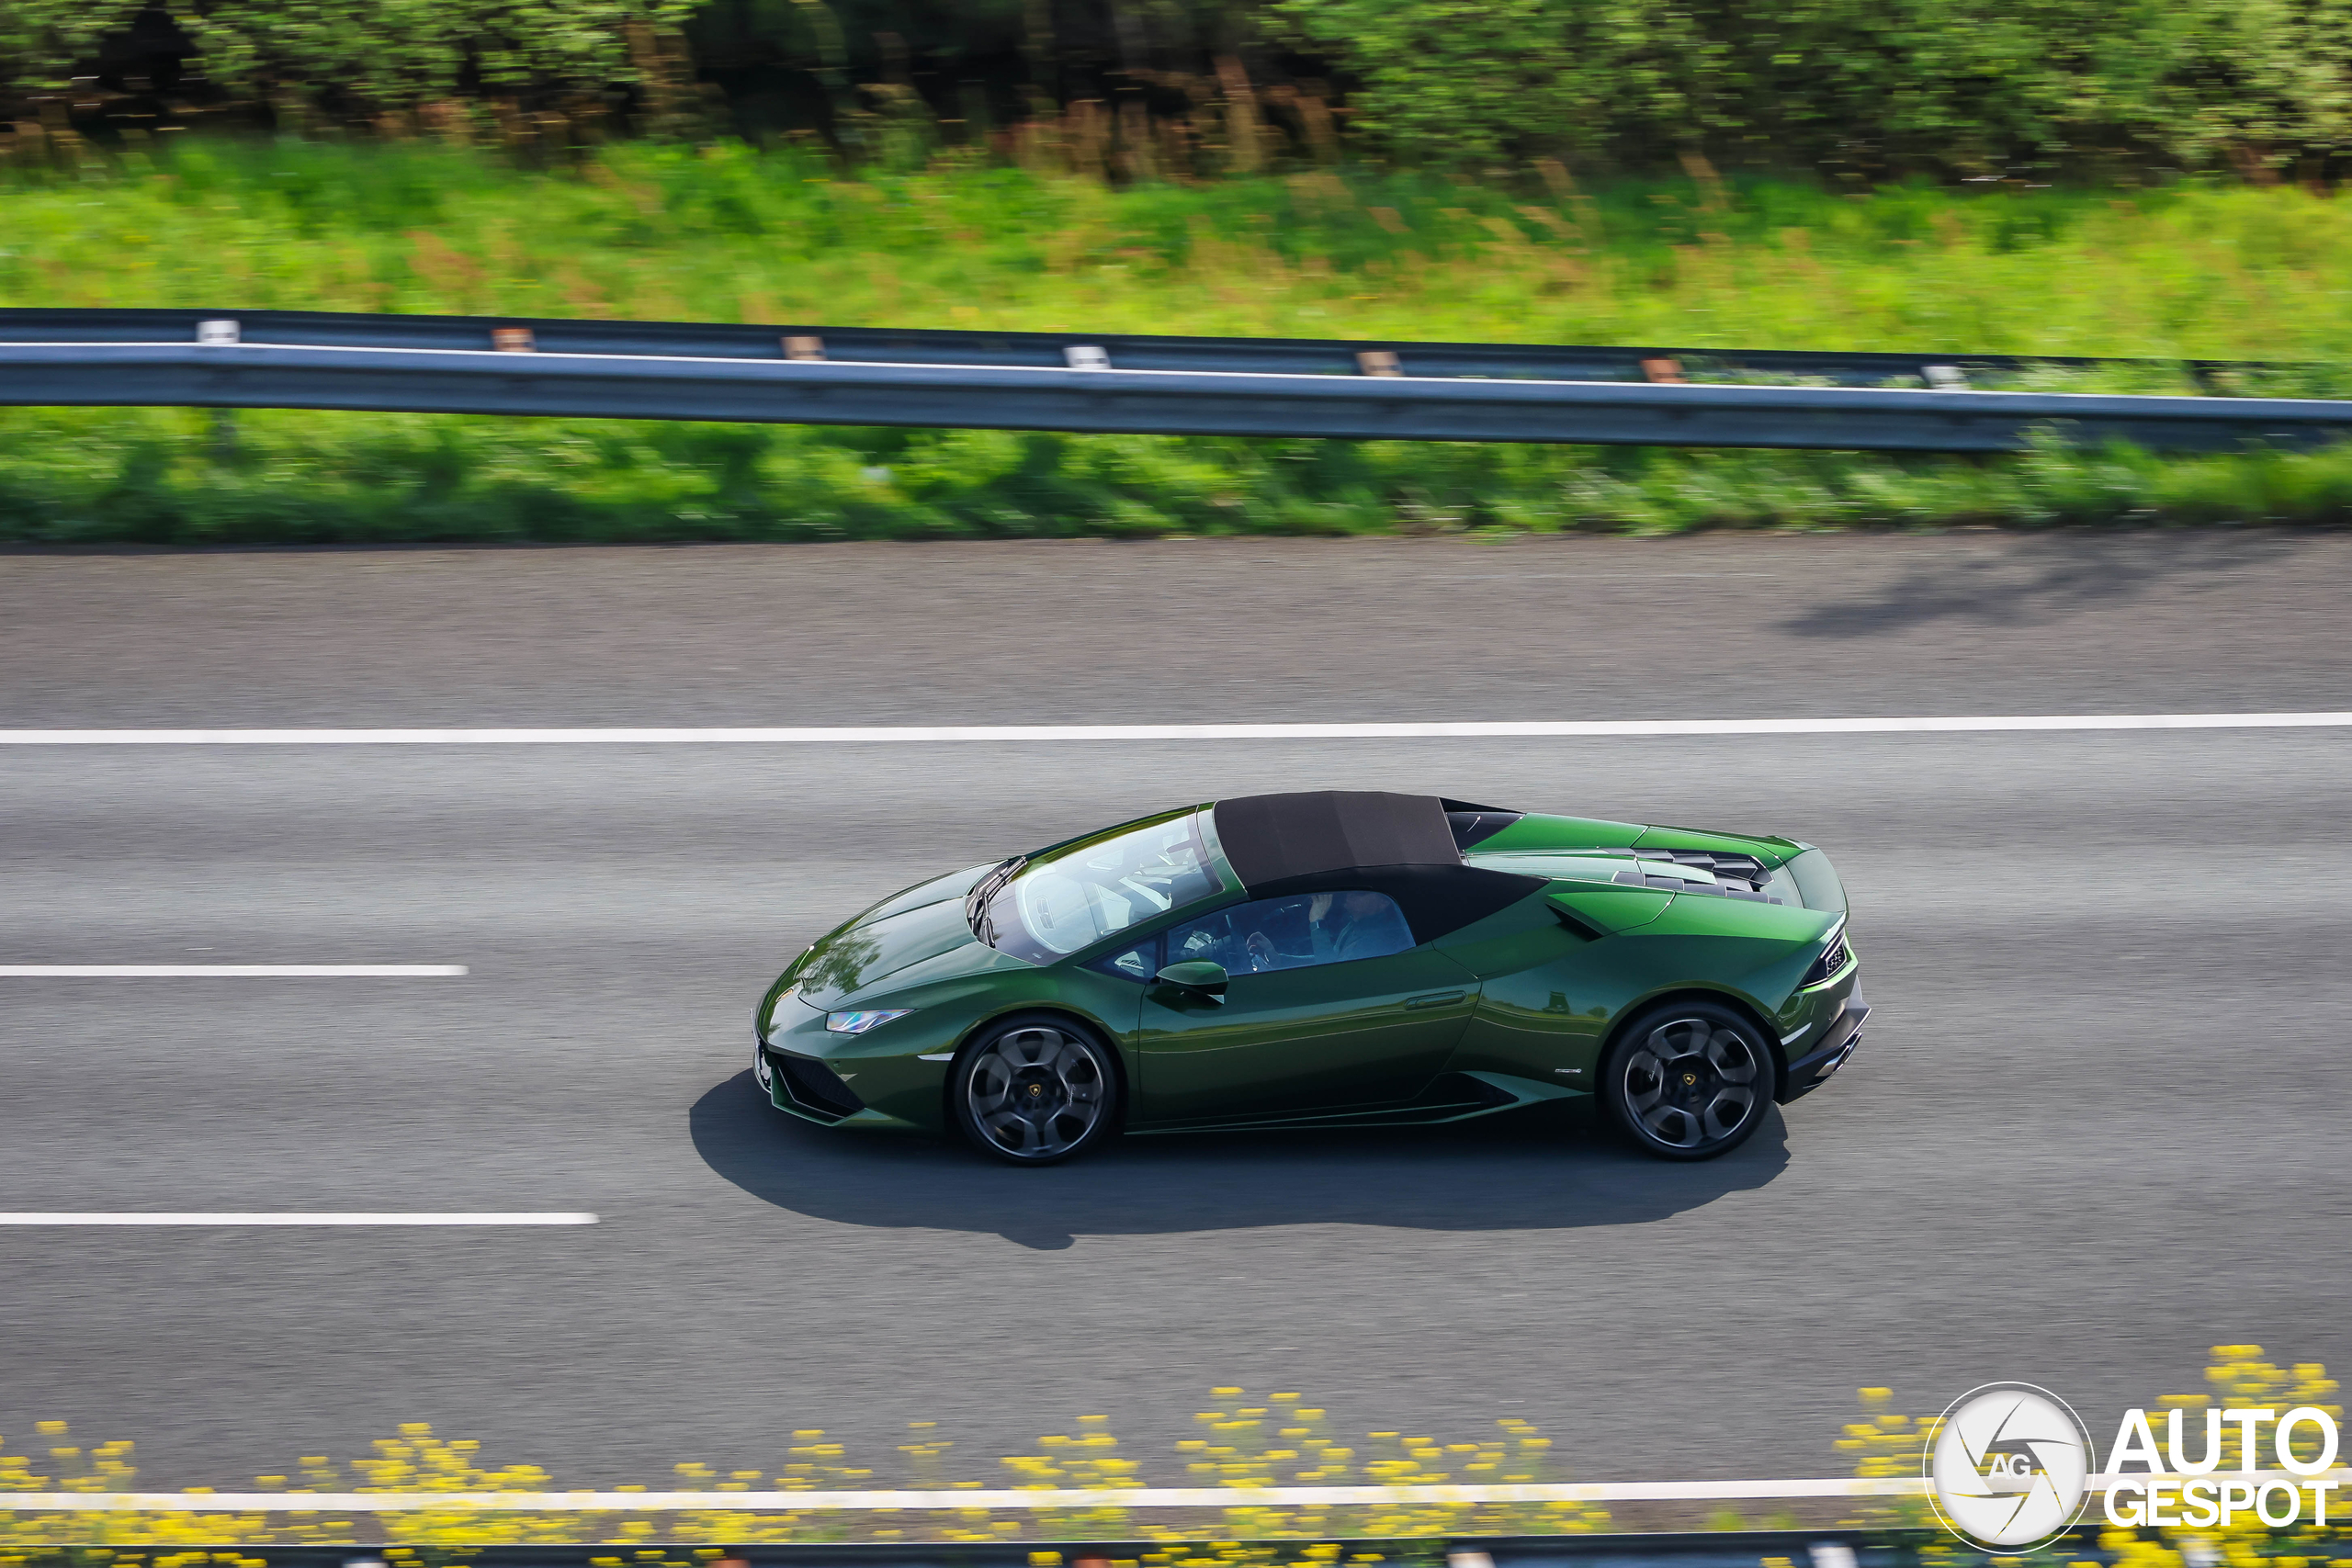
(1746, 868)
(1737, 876)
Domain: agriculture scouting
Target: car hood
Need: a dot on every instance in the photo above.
(923, 926)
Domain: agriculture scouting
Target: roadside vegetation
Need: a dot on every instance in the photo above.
(1855, 91)
(1273, 1440)
(655, 230)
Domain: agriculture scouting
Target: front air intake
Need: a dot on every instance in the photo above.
(813, 1086)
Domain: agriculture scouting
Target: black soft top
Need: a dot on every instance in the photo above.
(1403, 845)
(1273, 837)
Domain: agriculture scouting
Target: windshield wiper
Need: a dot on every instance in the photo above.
(976, 902)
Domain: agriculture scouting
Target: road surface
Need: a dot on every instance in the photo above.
(2094, 1129)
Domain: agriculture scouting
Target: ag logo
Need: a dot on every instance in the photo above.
(2007, 1466)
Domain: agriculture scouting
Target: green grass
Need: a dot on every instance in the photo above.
(90, 477)
(727, 234)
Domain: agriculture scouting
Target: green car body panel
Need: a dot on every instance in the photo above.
(1515, 1006)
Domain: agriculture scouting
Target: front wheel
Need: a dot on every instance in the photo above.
(1689, 1080)
(1034, 1090)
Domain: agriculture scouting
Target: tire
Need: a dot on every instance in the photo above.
(1689, 1080)
(1034, 1090)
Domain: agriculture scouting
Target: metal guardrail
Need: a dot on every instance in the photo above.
(221, 363)
(1032, 351)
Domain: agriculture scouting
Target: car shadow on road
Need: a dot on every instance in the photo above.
(1549, 1167)
(2037, 580)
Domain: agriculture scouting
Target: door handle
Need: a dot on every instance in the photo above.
(1434, 1000)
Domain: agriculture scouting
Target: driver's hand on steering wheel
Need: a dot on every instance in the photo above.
(1261, 951)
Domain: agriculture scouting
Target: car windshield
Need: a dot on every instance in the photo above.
(1074, 896)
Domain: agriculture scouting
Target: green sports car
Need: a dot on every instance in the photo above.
(1334, 958)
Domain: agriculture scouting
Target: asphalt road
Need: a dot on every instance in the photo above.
(2094, 1130)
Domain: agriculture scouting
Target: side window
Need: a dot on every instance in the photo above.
(1293, 934)
(1137, 963)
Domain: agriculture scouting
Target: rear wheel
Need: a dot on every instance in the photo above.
(1689, 1080)
(1034, 1090)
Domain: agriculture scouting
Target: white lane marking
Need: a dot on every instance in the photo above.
(1141, 1497)
(1465, 730)
(231, 971)
(1057, 1497)
(1592, 576)
(141, 1217)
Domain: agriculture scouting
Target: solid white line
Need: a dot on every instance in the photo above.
(231, 971)
(1059, 1497)
(1141, 1497)
(144, 1217)
(1467, 730)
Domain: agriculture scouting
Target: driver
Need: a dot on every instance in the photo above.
(1355, 925)
(1340, 926)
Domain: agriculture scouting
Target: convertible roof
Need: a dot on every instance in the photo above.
(1403, 845)
(1275, 837)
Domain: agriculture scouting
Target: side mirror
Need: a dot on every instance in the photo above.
(1205, 980)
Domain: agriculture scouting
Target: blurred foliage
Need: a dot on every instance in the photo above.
(356, 58)
(726, 232)
(186, 479)
(1861, 89)
(1281, 1442)
(1861, 85)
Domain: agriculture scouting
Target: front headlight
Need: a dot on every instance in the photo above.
(859, 1022)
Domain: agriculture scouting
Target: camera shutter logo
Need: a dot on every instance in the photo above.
(2009, 1467)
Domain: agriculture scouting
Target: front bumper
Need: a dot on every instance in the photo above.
(808, 1073)
(806, 1087)
(1837, 1047)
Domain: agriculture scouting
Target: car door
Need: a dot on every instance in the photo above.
(1321, 1012)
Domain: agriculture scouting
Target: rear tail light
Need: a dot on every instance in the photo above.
(1833, 957)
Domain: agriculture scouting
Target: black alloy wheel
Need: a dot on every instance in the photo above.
(1034, 1090)
(1689, 1080)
